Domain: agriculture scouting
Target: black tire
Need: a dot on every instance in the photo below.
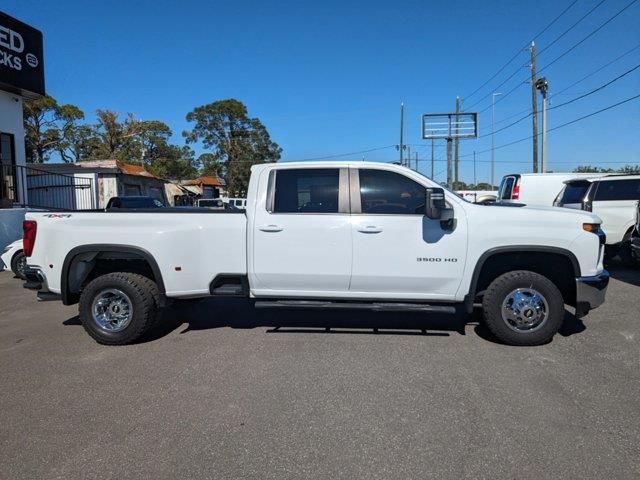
(18, 262)
(502, 287)
(142, 293)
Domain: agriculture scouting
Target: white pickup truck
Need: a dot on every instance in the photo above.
(358, 235)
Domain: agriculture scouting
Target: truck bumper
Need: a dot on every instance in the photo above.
(37, 280)
(635, 248)
(590, 292)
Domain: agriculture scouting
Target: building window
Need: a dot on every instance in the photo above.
(131, 190)
(8, 193)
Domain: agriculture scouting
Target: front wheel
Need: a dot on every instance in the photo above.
(523, 308)
(18, 265)
(118, 308)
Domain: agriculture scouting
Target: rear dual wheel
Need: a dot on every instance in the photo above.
(118, 308)
(523, 308)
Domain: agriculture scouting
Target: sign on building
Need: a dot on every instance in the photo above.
(21, 61)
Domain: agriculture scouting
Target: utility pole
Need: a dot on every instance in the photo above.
(543, 86)
(433, 173)
(493, 137)
(416, 161)
(409, 156)
(449, 161)
(457, 143)
(534, 106)
(475, 182)
(402, 146)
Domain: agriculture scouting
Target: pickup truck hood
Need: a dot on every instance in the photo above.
(538, 213)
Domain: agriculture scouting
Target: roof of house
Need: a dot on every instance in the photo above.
(208, 181)
(94, 166)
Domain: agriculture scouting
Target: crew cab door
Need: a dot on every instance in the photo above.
(302, 234)
(397, 251)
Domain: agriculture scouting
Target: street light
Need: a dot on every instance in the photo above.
(493, 137)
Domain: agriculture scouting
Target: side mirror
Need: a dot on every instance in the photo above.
(436, 207)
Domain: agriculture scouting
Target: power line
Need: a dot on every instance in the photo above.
(559, 126)
(566, 52)
(589, 75)
(591, 92)
(346, 154)
(571, 27)
(501, 69)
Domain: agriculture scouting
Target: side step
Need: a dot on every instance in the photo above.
(373, 306)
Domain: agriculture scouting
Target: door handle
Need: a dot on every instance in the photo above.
(270, 228)
(370, 229)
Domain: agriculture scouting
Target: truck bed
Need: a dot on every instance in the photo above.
(191, 246)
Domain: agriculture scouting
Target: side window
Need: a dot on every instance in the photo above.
(618, 190)
(307, 190)
(385, 192)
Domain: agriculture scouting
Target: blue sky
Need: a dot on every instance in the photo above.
(328, 77)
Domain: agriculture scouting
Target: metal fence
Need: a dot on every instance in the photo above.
(37, 188)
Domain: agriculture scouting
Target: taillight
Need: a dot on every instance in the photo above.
(515, 193)
(29, 229)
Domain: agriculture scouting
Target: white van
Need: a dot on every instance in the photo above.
(614, 198)
(535, 188)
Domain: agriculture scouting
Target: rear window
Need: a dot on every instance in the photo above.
(573, 192)
(506, 187)
(618, 190)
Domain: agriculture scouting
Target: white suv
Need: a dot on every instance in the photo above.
(614, 198)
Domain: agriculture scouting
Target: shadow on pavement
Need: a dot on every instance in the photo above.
(240, 313)
(624, 272)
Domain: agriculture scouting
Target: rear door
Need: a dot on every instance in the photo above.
(397, 251)
(615, 201)
(302, 234)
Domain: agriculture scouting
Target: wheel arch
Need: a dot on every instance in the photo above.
(512, 253)
(79, 263)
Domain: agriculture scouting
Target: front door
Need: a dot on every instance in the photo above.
(302, 234)
(397, 251)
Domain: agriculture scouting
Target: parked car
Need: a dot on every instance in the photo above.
(325, 235)
(534, 188)
(13, 259)
(614, 198)
(635, 239)
(134, 202)
(240, 203)
(478, 196)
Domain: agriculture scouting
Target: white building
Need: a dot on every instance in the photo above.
(21, 77)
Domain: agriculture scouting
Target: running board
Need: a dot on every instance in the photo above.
(373, 306)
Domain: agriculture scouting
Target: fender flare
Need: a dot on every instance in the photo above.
(469, 298)
(67, 296)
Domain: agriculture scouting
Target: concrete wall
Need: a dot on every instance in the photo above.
(10, 225)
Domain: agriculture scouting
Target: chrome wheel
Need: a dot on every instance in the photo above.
(112, 310)
(525, 310)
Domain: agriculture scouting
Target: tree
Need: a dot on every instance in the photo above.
(47, 125)
(176, 163)
(236, 140)
(210, 165)
(628, 169)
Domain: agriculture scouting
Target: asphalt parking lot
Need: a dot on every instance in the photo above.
(224, 391)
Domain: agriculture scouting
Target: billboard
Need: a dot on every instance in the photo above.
(21, 61)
